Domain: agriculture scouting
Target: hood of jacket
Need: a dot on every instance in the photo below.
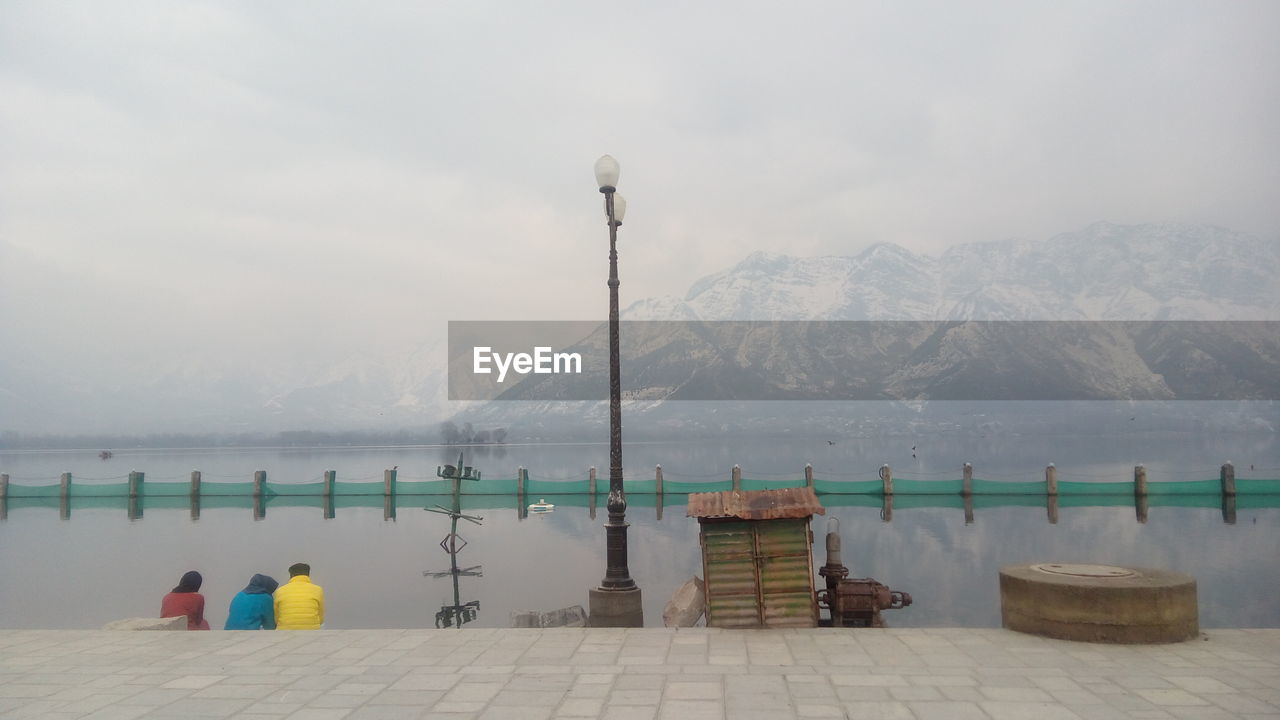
(261, 585)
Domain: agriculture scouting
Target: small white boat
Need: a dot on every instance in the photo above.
(541, 506)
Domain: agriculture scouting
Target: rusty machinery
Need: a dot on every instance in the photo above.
(855, 602)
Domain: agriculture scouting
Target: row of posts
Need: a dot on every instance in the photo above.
(1227, 478)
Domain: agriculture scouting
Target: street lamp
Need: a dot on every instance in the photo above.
(616, 603)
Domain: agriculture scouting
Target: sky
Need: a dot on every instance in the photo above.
(260, 182)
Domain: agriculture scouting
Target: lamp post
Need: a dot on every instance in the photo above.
(616, 603)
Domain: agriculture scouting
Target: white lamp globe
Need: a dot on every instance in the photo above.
(607, 172)
(619, 208)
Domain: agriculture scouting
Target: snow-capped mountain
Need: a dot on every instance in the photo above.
(1103, 272)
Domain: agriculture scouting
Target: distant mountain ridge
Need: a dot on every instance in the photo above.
(1105, 271)
(1102, 272)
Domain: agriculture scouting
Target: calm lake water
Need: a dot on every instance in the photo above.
(98, 565)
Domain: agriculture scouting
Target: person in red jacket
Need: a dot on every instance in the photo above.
(186, 600)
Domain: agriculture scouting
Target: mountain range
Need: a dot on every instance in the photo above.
(1105, 271)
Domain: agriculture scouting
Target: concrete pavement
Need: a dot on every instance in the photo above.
(634, 674)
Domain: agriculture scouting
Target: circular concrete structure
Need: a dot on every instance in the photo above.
(1099, 603)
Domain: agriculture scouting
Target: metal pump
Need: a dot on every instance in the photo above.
(856, 602)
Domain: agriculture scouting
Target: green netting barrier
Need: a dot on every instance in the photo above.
(907, 486)
(1105, 500)
(672, 502)
(752, 484)
(1121, 491)
(848, 487)
(1255, 502)
(861, 500)
(1076, 487)
(1185, 500)
(34, 491)
(672, 487)
(425, 487)
(310, 488)
(920, 500)
(639, 487)
(1012, 500)
(1001, 487)
(1250, 486)
(1190, 487)
(488, 486)
(150, 489)
(561, 487)
(224, 489)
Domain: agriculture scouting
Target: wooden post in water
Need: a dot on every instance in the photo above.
(968, 509)
(135, 495)
(658, 496)
(1140, 503)
(522, 508)
(736, 477)
(966, 485)
(1229, 509)
(1228, 477)
(330, 479)
(259, 494)
(195, 495)
(1051, 480)
(64, 497)
(4, 496)
(389, 494)
(591, 493)
(886, 478)
(808, 475)
(886, 508)
(1051, 505)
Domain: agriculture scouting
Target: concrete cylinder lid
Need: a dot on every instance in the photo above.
(1090, 571)
(1099, 603)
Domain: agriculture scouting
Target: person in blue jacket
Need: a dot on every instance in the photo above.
(252, 608)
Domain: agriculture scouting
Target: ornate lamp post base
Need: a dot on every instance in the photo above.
(616, 608)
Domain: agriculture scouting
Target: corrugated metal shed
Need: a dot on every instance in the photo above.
(756, 504)
(757, 557)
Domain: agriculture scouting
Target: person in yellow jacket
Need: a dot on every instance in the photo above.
(299, 603)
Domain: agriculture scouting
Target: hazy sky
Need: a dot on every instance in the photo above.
(236, 178)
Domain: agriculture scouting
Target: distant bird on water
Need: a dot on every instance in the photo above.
(831, 442)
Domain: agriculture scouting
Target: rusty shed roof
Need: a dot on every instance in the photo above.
(756, 504)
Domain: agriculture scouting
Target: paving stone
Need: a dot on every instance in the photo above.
(889, 710)
(947, 710)
(635, 675)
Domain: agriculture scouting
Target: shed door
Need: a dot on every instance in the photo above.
(759, 573)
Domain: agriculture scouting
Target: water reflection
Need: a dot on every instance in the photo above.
(945, 550)
(459, 613)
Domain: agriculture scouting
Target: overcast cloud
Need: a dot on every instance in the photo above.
(258, 180)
